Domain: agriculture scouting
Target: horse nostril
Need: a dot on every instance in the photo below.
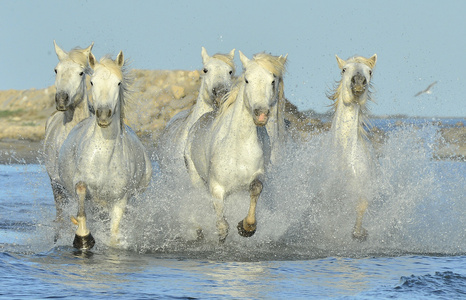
(109, 114)
(257, 112)
(98, 113)
(365, 81)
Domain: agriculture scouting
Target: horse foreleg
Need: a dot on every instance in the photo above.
(359, 232)
(116, 215)
(83, 239)
(59, 197)
(223, 227)
(247, 227)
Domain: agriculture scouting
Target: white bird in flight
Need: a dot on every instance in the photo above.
(427, 90)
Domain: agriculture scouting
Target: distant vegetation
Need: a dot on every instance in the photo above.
(10, 113)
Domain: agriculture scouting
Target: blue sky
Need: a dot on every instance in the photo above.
(417, 42)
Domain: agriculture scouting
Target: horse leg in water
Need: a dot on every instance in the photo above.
(247, 227)
(59, 196)
(360, 233)
(83, 239)
(223, 227)
(116, 216)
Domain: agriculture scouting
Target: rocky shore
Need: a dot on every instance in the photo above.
(158, 96)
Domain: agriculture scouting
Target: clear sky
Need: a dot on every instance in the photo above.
(417, 42)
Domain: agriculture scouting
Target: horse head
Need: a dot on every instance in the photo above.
(263, 78)
(217, 75)
(356, 77)
(107, 83)
(70, 76)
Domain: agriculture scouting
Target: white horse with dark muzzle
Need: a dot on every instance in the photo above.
(102, 159)
(217, 76)
(352, 156)
(228, 150)
(72, 107)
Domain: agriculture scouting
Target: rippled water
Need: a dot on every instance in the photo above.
(416, 246)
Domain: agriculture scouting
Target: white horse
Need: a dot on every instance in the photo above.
(229, 149)
(348, 132)
(72, 107)
(102, 159)
(217, 76)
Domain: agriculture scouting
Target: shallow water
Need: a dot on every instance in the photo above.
(416, 246)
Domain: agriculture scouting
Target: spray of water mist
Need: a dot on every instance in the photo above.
(305, 210)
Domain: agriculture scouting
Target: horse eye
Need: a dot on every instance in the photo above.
(231, 72)
(273, 82)
(92, 83)
(81, 74)
(205, 70)
(246, 80)
(119, 83)
(343, 71)
(370, 72)
(56, 71)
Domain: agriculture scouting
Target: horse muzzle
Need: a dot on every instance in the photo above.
(358, 85)
(62, 100)
(261, 116)
(218, 93)
(104, 117)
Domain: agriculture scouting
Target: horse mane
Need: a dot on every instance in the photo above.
(226, 58)
(77, 55)
(363, 109)
(274, 64)
(123, 74)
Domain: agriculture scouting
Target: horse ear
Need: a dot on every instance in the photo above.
(120, 60)
(373, 60)
(243, 58)
(283, 59)
(341, 62)
(92, 60)
(232, 54)
(204, 55)
(61, 54)
(88, 49)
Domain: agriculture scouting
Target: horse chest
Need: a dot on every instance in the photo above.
(102, 167)
(241, 165)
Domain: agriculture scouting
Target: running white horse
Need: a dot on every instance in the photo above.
(102, 159)
(217, 76)
(348, 132)
(72, 107)
(228, 150)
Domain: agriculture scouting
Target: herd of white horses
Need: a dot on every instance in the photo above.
(226, 141)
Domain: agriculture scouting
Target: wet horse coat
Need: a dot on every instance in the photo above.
(102, 159)
(228, 150)
(72, 107)
(348, 132)
(217, 76)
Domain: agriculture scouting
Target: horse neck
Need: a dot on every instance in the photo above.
(80, 109)
(239, 118)
(203, 103)
(346, 124)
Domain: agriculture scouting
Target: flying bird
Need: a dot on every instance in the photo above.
(427, 90)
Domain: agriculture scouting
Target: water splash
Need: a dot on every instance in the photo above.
(417, 207)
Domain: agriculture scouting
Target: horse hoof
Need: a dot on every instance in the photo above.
(84, 242)
(360, 236)
(243, 232)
